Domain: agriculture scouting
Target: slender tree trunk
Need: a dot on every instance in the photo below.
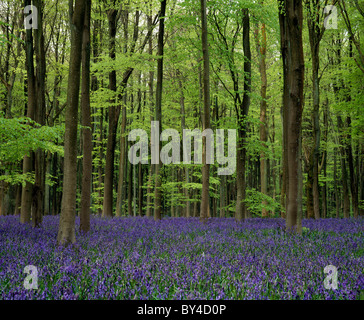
(274, 174)
(17, 201)
(26, 199)
(47, 191)
(122, 162)
(336, 191)
(183, 126)
(352, 174)
(324, 166)
(309, 186)
(206, 116)
(240, 211)
(66, 231)
(130, 189)
(150, 85)
(261, 50)
(315, 31)
(114, 112)
(158, 111)
(100, 180)
(140, 189)
(344, 174)
(361, 174)
(87, 126)
(39, 116)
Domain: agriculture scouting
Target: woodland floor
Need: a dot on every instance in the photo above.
(138, 258)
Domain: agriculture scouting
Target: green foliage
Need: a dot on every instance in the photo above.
(257, 201)
(20, 136)
(17, 178)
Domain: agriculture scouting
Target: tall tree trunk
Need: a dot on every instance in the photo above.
(114, 112)
(261, 51)
(39, 116)
(315, 32)
(87, 126)
(324, 166)
(158, 111)
(26, 199)
(66, 231)
(183, 127)
(123, 143)
(240, 211)
(150, 85)
(290, 19)
(206, 115)
(122, 162)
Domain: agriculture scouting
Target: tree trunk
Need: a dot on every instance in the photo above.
(158, 110)
(114, 112)
(315, 31)
(336, 189)
(344, 174)
(17, 202)
(39, 116)
(26, 199)
(130, 189)
(66, 231)
(309, 188)
(352, 173)
(293, 65)
(261, 51)
(240, 211)
(324, 166)
(150, 85)
(206, 116)
(140, 189)
(122, 163)
(87, 126)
